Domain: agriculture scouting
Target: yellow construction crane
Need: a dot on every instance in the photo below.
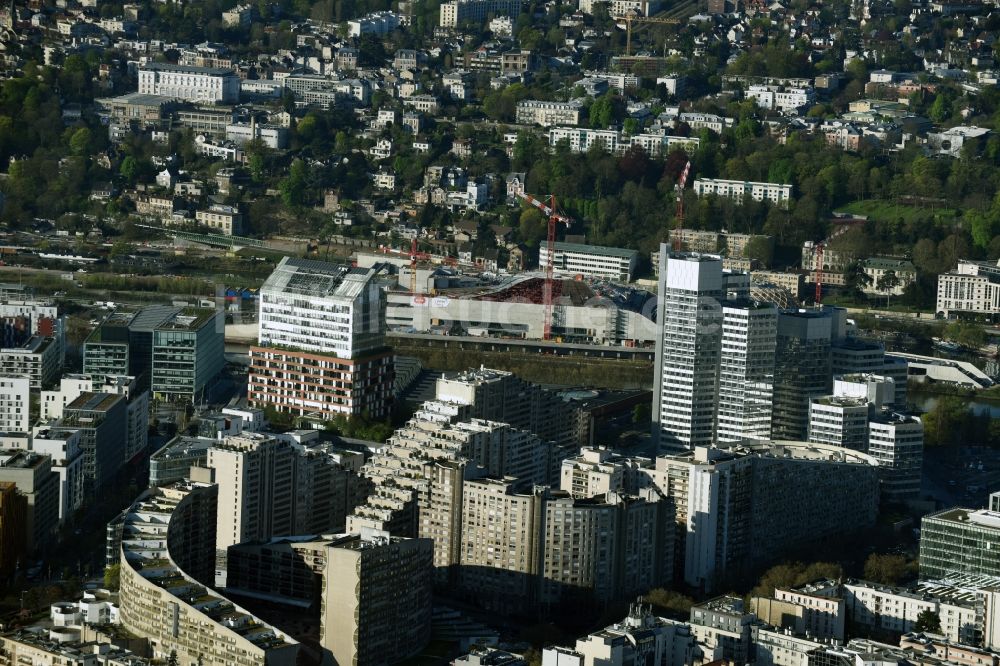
(636, 18)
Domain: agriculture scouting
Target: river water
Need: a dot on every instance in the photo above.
(924, 403)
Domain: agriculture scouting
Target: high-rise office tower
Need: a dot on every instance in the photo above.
(689, 316)
(322, 342)
(746, 371)
(802, 369)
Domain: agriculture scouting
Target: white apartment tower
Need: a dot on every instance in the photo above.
(840, 421)
(896, 441)
(687, 349)
(15, 398)
(746, 371)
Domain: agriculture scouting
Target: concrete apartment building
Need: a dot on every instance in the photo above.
(102, 421)
(582, 139)
(780, 98)
(548, 114)
(734, 505)
(194, 84)
(896, 441)
(63, 449)
(839, 421)
(32, 474)
(715, 363)
(776, 193)
(321, 349)
(641, 638)
(13, 527)
(498, 395)
(167, 554)
(39, 358)
(376, 605)
(966, 606)
(973, 287)
(523, 546)
(419, 476)
(255, 476)
(15, 403)
(71, 386)
(596, 471)
(746, 371)
(456, 12)
(591, 261)
(376, 23)
(820, 610)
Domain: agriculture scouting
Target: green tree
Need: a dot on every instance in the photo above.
(293, 187)
(886, 283)
(928, 621)
(112, 577)
(172, 659)
(669, 601)
(887, 569)
(129, 169)
(532, 226)
(81, 141)
(795, 573)
(760, 248)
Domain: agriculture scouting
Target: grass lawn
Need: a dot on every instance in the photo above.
(882, 210)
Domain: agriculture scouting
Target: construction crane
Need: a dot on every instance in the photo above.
(631, 18)
(679, 215)
(843, 227)
(550, 211)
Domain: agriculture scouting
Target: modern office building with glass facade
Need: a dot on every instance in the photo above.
(187, 353)
(959, 541)
(174, 351)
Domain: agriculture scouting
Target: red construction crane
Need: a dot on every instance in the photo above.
(842, 227)
(550, 245)
(679, 215)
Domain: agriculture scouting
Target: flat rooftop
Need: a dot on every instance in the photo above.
(94, 402)
(601, 250)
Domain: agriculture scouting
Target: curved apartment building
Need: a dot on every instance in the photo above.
(167, 548)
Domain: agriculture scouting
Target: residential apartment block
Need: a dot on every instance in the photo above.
(167, 557)
(376, 606)
(591, 260)
(688, 348)
(15, 403)
(456, 12)
(548, 114)
(581, 140)
(32, 474)
(742, 506)
(775, 193)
